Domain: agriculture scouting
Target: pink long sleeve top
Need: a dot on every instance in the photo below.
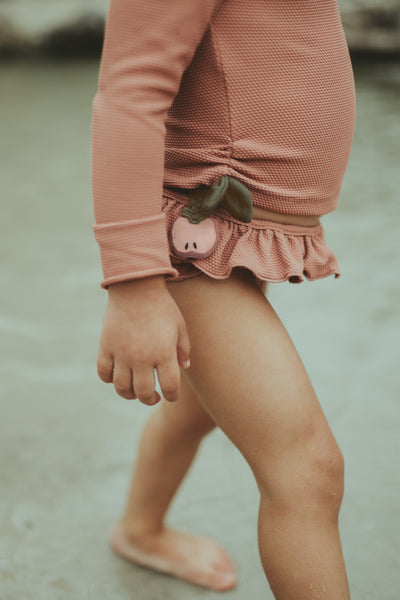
(191, 90)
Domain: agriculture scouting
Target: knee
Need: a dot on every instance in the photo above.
(310, 479)
(201, 428)
(195, 428)
(325, 476)
(205, 427)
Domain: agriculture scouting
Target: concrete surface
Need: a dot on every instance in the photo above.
(68, 440)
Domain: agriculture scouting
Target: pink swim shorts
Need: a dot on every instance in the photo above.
(271, 251)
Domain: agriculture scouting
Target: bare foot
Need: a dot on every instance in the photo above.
(200, 560)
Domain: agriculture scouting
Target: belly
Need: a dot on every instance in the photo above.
(262, 213)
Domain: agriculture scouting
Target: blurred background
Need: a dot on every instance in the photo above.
(75, 27)
(68, 441)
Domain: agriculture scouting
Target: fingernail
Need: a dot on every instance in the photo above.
(187, 364)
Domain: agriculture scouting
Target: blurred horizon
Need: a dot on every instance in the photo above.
(75, 28)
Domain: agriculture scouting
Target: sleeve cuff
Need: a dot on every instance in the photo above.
(134, 249)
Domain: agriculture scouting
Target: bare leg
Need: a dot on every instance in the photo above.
(169, 442)
(168, 446)
(246, 372)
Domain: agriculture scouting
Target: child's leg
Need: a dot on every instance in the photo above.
(168, 444)
(247, 373)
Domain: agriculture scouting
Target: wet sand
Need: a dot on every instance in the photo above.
(68, 440)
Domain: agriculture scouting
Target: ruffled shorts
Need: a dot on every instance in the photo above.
(271, 251)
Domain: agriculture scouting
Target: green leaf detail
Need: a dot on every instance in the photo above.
(234, 195)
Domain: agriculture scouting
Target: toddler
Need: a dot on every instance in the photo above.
(221, 133)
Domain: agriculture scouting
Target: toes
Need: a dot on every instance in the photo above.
(221, 560)
(224, 581)
(212, 578)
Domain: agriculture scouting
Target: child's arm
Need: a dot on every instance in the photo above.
(147, 46)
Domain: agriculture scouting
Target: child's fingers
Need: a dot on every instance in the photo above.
(123, 381)
(105, 367)
(144, 385)
(169, 377)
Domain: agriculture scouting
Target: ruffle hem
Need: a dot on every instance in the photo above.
(272, 251)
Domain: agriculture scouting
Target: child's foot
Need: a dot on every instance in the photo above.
(196, 559)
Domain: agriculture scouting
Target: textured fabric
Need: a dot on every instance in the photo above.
(272, 251)
(131, 239)
(262, 91)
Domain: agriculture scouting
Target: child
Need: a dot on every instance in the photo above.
(221, 134)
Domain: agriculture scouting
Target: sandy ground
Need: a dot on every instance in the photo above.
(68, 440)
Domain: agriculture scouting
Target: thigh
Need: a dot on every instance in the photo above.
(247, 373)
(189, 414)
(264, 288)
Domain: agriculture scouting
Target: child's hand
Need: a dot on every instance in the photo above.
(143, 329)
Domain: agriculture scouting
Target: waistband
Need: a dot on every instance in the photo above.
(180, 197)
